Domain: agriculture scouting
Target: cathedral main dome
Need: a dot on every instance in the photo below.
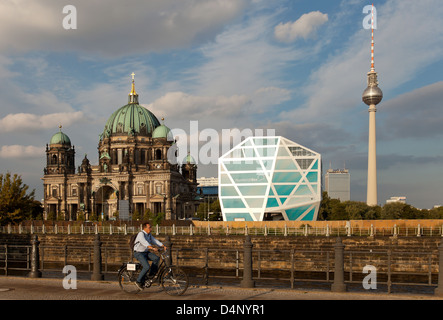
(131, 119)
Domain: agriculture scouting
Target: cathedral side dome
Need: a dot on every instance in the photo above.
(60, 138)
(164, 132)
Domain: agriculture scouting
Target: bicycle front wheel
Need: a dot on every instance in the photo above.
(126, 280)
(174, 281)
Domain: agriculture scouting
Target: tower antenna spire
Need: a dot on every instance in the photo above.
(372, 40)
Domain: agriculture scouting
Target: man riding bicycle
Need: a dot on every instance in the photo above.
(143, 243)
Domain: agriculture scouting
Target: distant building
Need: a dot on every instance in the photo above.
(208, 188)
(396, 199)
(205, 182)
(338, 184)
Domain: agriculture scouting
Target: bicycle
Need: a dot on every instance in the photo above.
(173, 279)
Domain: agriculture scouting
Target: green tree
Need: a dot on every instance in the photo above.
(356, 210)
(202, 211)
(136, 216)
(373, 213)
(215, 208)
(338, 210)
(325, 207)
(392, 211)
(15, 203)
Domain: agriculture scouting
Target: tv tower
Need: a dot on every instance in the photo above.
(372, 96)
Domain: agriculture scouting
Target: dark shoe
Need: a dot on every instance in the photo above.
(139, 285)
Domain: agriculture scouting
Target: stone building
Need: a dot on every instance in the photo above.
(137, 171)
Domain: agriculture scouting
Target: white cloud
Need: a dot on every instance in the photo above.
(18, 151)
(111, 28)
(304, 27)
(30, 122)
(243, 59)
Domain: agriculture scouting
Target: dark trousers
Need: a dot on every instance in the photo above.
(143, 257)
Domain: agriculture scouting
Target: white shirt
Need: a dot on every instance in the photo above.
(144, 240)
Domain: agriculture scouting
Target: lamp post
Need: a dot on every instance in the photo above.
(104, 181)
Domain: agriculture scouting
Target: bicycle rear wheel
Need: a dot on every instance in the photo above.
(174, 281)
(127, 279)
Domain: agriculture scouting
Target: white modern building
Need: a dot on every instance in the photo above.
(401, 199)
(269, 178)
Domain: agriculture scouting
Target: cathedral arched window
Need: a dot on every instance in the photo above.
(158, 154)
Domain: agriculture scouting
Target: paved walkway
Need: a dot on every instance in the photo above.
(20, 288)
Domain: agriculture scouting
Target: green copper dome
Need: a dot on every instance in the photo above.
(60, 138)
(131, 119)
(188, 160)
(162, 131)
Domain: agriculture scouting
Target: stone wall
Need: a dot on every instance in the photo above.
(269, 252)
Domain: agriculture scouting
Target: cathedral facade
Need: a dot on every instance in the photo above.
(137, 171)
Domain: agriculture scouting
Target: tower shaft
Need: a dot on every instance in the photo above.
(371, 199)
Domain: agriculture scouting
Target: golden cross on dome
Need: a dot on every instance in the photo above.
(133, 74)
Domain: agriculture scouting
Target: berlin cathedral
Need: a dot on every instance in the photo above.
(133, 171)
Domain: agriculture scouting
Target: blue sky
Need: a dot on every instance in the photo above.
(297, 67)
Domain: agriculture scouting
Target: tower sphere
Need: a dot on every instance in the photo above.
(372, 95)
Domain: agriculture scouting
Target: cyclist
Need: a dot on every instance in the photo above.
(142, 246)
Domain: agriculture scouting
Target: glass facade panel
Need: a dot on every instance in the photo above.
(285, 164)
(254, 202)
(286, 177)
(233, 203)
(312, 176)
(228, 191)
(254, 177)
(272, 202)
(253, 190)
(243, 165)
(284, 190)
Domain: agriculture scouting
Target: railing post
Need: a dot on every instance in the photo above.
(206, 275)
(97, 268)
(339, 282)
(35, 259)
(439, 290)
(247, 281)
(6, 259)
(168, 245)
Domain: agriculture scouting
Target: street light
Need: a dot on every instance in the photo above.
(104, 181)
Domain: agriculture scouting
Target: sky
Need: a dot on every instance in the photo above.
(295, 68)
